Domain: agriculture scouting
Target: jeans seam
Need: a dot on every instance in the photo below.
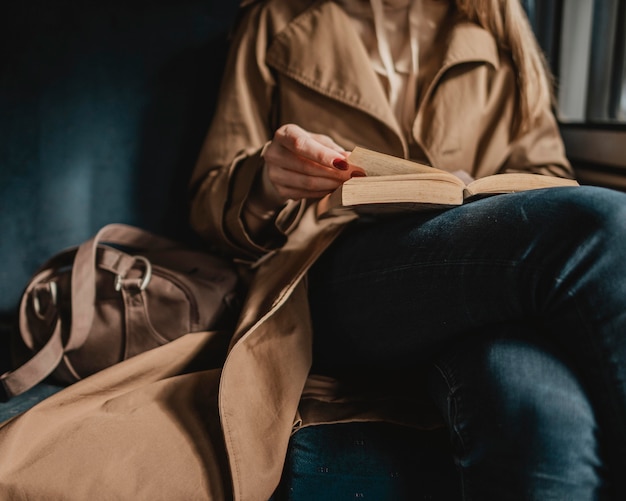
(451, 403)
(461, 262)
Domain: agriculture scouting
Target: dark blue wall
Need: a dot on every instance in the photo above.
(103, 106)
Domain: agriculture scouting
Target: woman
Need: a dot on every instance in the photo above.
(460, 85)
(528, 281)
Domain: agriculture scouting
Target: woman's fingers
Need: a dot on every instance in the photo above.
(306, 185)
(297, 184)
(315, 148)
(328, 141)
(300, 164)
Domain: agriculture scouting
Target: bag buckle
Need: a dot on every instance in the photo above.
(51, 289)
(145, 280)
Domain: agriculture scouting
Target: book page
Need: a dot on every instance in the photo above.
(381, 164)
(512, 182)
(393, 194)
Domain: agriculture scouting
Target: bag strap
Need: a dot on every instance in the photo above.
(43, 275)
(84, 272)
(37, 368)
(41, 365)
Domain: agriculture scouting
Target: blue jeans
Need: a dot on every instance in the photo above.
(520, 422)
(376, 461)
(495, 392)
(549, 265)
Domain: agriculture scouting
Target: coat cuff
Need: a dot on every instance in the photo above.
(279, 225)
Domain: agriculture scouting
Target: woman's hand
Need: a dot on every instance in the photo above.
(300, 164)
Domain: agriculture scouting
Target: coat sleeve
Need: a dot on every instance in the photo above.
(540, 150)
(230, 157)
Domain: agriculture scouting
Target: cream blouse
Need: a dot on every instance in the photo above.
(400, 37)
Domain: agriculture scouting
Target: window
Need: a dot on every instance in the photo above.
(585, 45)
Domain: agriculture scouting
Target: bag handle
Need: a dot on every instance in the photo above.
(83, 284)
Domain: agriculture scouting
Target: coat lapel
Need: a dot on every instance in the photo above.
(469, 42)
(321, 50)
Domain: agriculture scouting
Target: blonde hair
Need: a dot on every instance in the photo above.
(508, 23)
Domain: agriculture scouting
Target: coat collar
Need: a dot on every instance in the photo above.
(321, 50)
(471, 43)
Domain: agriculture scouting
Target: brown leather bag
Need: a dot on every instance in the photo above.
(119, 294)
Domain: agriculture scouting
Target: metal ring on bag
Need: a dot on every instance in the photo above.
(146, 277)
(51, 288)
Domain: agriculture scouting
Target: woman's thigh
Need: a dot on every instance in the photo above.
(394, 292)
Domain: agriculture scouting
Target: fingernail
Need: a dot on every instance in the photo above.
(357, 173)
(340, 164)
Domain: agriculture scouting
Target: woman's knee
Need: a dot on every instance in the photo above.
(582, 210)
(513, 407)
(534, 396)
(520, 423)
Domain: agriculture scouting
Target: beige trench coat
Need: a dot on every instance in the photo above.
(149, 428)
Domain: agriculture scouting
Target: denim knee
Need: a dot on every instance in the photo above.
(589, 206)
(520, 423)
(583, 223)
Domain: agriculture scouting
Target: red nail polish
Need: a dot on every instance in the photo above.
(340, 164)
(357, 173)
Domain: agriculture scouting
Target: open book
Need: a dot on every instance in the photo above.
(394, 184)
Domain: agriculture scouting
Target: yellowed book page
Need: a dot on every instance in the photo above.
(381, 164)
(433, 187)
(512, 182)
(394, 193)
